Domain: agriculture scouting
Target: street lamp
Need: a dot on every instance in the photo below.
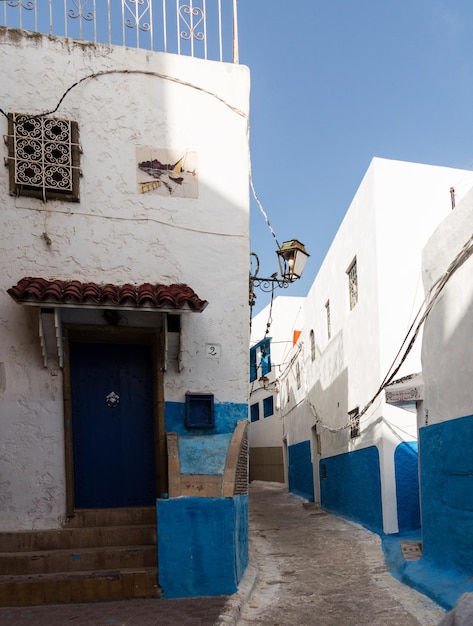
(268, 385)
(292, 257)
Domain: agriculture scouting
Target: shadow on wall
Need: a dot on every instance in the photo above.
(351, 487)
(446, 448)
(300, 470)
(446, 462)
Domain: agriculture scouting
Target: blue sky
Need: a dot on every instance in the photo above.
(336, 83)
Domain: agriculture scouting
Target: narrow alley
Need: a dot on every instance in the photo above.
(315, 568)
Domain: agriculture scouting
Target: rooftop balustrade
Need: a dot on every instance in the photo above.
(206, 29)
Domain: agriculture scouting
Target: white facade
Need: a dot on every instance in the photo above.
(123, 100)
(396, 208)
(446, 364)
(445, 416)
(286, 318)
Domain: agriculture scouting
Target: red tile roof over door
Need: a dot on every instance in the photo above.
(75, 293)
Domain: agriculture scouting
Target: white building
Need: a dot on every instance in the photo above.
(282, 320)
(446, 413)
(123, 306)
(346, 447)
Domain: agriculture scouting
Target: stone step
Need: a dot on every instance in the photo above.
(75, 560)
(67, 587)
(77, 538)
(112, 517)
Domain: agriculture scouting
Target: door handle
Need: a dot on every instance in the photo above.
(112, 400)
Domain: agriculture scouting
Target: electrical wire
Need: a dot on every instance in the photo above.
(409, 340)
(258, 202)
(120, 218)
(131, 72)
(167, 77)
(173, 79)
(428, 304)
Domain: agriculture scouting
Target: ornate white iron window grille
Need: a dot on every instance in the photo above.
(312, 345)
(352, 284)
(329, 322)
(354, 421)
(43, 157)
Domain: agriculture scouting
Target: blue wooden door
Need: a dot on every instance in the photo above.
(112, 425)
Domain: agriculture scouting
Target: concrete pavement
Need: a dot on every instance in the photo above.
(315, 568)
(306, 568)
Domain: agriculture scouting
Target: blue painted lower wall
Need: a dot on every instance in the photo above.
(300, 470)
(350, 486)
(202, 545)
(227, 414)
(446, 461)
(406, 468)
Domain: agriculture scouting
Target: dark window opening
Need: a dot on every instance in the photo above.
(260, 359)
(254, 412)
(268, 406)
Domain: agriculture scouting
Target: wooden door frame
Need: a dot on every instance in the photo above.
(114, 334)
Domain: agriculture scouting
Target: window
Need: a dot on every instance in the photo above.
(268, 406)
(298, 375)
(260, 359)
(354, 420)
(199, 410)
(43, 157)
(352, 284)
(312, 345)
(329, 326)
(254, 412)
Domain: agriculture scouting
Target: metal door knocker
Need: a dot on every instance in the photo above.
(112, 400)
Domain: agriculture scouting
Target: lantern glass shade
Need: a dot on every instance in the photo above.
(263, 382)
(292, 257)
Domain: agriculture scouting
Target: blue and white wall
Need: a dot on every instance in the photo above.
(446, 415)
(371, 478)
(266, 430)
(124, 100)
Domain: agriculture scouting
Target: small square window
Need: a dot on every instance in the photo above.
(254, 412)
(43, 157)
(199, 410)
(268, 406)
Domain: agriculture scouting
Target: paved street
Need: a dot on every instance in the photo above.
(318, 569)
(312, 569)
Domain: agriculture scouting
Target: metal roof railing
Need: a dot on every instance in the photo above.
(206, 29)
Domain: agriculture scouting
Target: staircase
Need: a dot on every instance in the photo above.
(100, 554)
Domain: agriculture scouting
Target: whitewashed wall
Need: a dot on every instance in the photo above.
(446, 350)
(392, 214)
(287, 316)
(116, 235)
